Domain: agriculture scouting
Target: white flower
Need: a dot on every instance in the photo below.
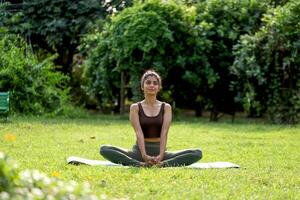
(29, 196)
(36, 175)
(50, 197)
(106, 2)
(103, 196)
(73, 183)
(71, 197)
(2, 155)
(69, 188)
(93, 197)
(86, 187)
(47, 181)
(54, 190)
(4, 195)
(21, 191)
(25, 174)
(14, 165)
(109, 8)
(37, 192)
(60, 184)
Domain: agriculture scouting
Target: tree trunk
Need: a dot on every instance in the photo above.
(122, 94)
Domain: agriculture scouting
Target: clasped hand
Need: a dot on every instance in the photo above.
(153, 160)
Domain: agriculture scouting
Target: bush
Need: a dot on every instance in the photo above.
(32, 184)
(153, 34)
(226, 21)
(267, 65)
(35, 86)
(56, 25)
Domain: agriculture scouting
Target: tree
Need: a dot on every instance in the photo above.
(226, 21)
(58, 25)
(152, 34)
(35, 86)
(267, 65)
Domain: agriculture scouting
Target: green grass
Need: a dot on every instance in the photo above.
(269, 157)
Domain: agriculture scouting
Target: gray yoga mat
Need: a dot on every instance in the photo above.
(78, 160)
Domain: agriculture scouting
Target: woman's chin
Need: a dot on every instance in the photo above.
(151, 93)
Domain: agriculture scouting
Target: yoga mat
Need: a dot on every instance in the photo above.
(78, 160)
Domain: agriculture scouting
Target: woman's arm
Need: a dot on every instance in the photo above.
(135, 122)
(164, 132)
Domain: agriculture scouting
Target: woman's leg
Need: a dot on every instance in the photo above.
(120, 156)
(181, 158)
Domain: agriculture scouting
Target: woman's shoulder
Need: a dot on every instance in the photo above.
(134, 106)
(167, 105)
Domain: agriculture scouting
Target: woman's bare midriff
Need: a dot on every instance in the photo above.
(156, 139)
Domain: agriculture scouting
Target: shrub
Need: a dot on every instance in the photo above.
(32, 184)
(153, 34)
(267, 65)
(226, 21)
(56, 25)
(35, 86)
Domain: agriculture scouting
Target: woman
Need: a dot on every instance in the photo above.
(151, 120)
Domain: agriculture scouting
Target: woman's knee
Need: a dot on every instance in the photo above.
(198, 153)
(104, 149)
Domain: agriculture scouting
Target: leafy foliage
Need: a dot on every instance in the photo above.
(149, 35)
(267, 64)
(57, 25)
(35, 87)
(8, 173)
(225, 22)
(32, 184)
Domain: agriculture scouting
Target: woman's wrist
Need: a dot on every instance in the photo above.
(162, 152)
(144, 155)
(161, 155)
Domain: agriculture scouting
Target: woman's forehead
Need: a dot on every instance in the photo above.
(152, 78)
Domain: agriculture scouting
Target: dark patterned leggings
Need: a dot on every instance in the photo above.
(134, 158)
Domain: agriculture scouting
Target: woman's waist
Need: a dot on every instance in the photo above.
(152, 139)
(151, 134)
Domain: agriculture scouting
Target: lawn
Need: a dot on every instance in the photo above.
(269, 156)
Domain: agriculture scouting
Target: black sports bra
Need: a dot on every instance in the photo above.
(151, 126)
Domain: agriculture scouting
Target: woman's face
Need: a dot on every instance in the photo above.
(151, 85)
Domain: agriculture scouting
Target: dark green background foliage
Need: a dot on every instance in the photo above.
(268, 65)
(35, 87)
(225, 22)
(220, 56)
(191, 47)
(149, 35)
(57, 25)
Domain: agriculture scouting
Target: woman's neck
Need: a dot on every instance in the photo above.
(150, 99)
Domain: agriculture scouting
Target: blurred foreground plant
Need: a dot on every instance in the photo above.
(32, 184)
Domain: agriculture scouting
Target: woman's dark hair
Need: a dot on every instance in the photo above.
(148, 73)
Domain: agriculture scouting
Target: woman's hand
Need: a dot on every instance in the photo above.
(149, 159)
(158, 159)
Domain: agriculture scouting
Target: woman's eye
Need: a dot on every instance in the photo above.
(153, 82)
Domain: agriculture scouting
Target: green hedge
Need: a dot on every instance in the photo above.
(35, 86)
